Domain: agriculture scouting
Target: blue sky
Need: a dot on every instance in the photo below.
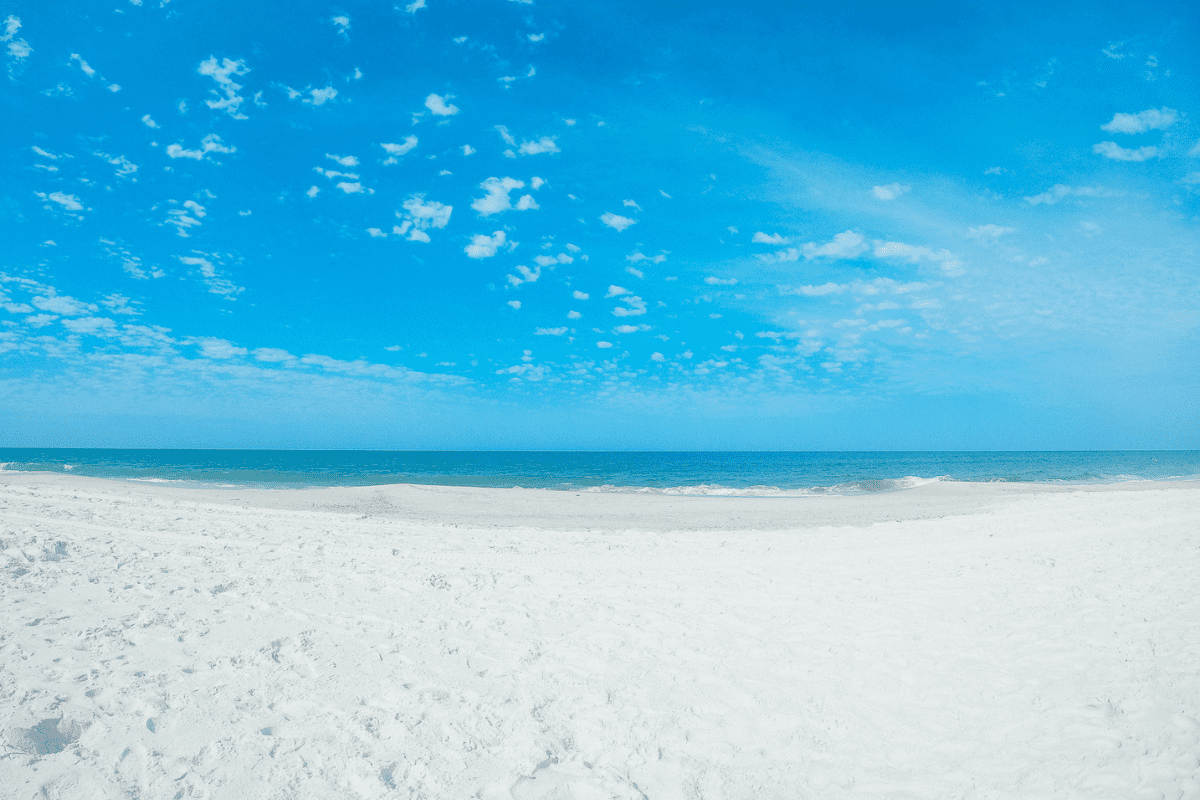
(538, 225)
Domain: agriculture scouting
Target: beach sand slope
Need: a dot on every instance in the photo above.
(953, 640)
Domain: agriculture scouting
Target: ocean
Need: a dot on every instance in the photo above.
(785, 474)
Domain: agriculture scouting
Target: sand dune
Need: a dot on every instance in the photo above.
(953, 640)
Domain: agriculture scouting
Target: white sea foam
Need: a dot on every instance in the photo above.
(718, 490)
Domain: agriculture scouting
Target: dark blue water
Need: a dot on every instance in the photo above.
(745, 473)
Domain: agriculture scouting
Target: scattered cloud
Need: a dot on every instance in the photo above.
(632, 204)
(316, 97)
(535, 37)
(604, 345)
(544, 145)
(497, 200)
(634, 306)
(1117, 153)
(83, 65)
(209, 144)
(439, 107)
(623, 329)
(578, 295)
(847, 244)
(616, 221)
(516, 304)
(484, 246)
(148, 122)
(217, 283)
(63, 305)
(1151, 119)
(313, 191)
(638, 256)
(419, 216)
(211, 347)
(345, 161)
(18, 49)
(550, 331)
(527, 275)
(714, 281)
(988, 232)
(188, 216)
(875, 287)
(68, 201)
(946, 261)
(342, 23)
(527, 203)
(891, 191)
(223, 74)
(762, 238)
(1059, 191)
(467, 150)
(414, 6)
(394, 151)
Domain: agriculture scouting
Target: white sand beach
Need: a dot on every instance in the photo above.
(952, 640)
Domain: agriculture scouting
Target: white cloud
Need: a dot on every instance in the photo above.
(422, 216)
(1117, 153)
(847, 244)
(209, 144)
(219, 348)
(877, 286)
(516, 304)
(762, 238)
(63, 304)
(17, 48)
(351, 187)
(635, 306)
(616, 291)
(659, 357)
(187, 217)
(273, 355)
(438, 106)
(496, 199)
(484, 246)
(343, 25)
(616, 221)
(891, 191)
(949, 263)
(505, 135)
(550, 331)
(124, 166)
(527, 275)
(1059, 191)
(394, 151)
(221, 73)
(208, 273)
(148, 122)
(114, 87)
(467, 150)
(714, 281)
(83, 65)
(312, 191)
(988, 232)
(635, 272)
(527, 203)
(535, 37)
(377, 233)
(604, 345)
(630, 328)
(345, 161)
(573, 315)
(1151, 119)
(632, 204)
(68, 201)
(536, 183)
(544, 145)
(578, 295)
(637, 256)
(45, 153)
(415, 6)
(318, 97)
(95, 326)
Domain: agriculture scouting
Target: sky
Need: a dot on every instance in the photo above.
(533, 225)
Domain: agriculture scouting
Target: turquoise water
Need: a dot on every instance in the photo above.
(743, 473)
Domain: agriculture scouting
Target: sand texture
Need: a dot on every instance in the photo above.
(952, 640)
